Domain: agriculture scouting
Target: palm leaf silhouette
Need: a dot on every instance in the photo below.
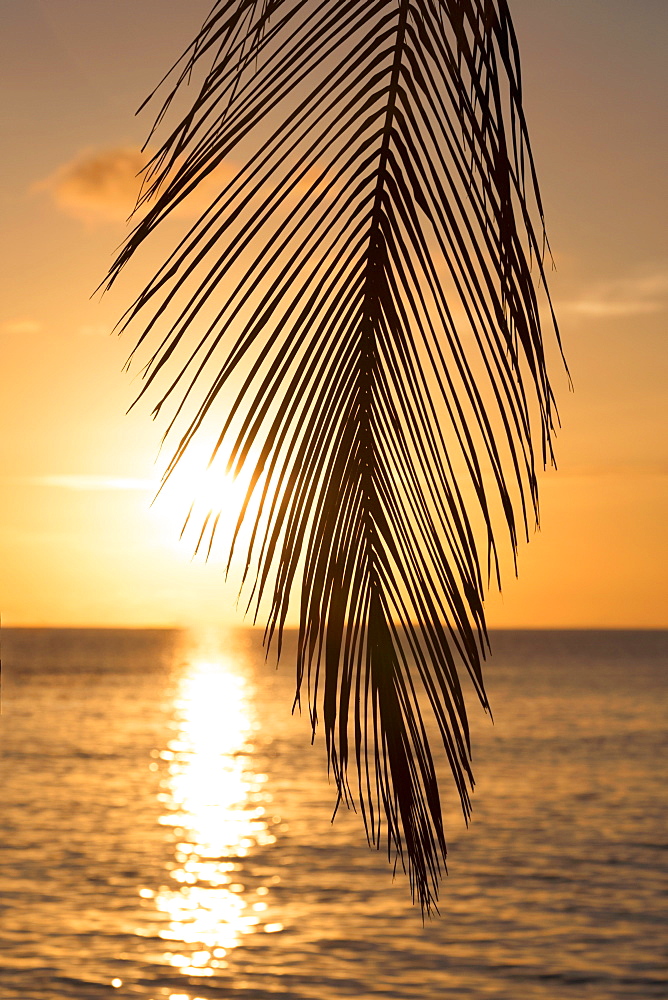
(358, 310)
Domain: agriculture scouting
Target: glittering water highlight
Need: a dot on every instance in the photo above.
(166, 830)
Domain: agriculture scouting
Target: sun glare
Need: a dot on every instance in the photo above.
(200, 503)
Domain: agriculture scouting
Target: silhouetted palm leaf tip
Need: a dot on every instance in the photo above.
(357, 314)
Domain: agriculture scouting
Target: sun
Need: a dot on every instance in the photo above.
(200, 503)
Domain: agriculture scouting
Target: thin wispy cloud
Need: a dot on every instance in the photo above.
(636, 296)
(90, 482)
(623, 470)
(94, 330)
(20, 327)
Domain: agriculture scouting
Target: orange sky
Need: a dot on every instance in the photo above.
(79, 542)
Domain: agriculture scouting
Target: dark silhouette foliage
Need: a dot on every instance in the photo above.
(358, 311)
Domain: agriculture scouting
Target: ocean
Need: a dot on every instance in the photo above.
(166, 829)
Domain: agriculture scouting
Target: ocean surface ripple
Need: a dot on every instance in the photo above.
(166, 829)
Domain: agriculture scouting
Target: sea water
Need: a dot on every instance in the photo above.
(166, 830)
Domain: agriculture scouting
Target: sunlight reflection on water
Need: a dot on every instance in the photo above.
(215, 801)
(134, 823)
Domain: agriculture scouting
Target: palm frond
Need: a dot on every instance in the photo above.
(357, 312)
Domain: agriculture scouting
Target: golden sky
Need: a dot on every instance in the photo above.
(80, 543)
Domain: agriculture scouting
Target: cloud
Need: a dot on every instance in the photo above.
(636, 296)
(94, 330)
(20, 327)
(88, 482)
(98, 185)
(624, 470)
(102, 185)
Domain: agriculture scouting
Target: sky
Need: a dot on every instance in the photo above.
(81, 542)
